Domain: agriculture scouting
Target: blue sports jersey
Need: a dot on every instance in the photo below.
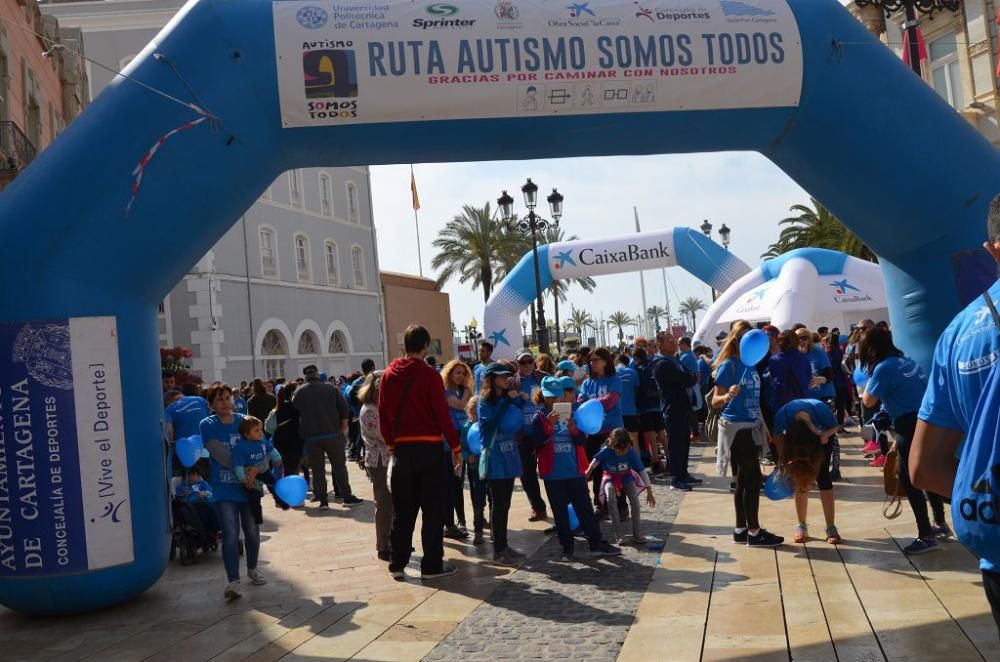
(503, 456)
(186, 414)
(621, 465)
(251, 453)
(690, 361)
(630, 383)
(239, 405)
(821, 415)
(598, 388)
(899, 383)
(225, 484)
(818, 361)
(745, 407)
(479, 372)
(458, 416)
(963, 359)
(191, 492)
(528, 385)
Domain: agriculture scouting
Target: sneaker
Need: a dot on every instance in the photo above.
(323, 505)
(338, 498)
(764, 538)
(801, 534)
(455, 533)
(233, 591)
(921, 546)
(870, 447)
(445, 570)
(478, 538)
(691, 480)
(832, 535)
(352, 500)
(568, 555)
(604, 548)
(878, 462)
(516, 554)
(256, 578)
(506, 559)
(942, 530)
(398, 575)
(680, 486)
(740, 537)
(538, 516)
(835, 475)
(385, 556)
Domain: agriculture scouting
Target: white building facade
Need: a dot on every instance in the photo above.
(295, 281)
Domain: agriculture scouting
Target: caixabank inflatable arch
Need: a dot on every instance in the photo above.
(233, 92)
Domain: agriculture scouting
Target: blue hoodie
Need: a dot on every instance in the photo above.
(502, 459)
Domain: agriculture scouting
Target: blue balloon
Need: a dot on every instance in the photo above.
(844, 339)
(861, 377)
(189, 450)
(291, 490)
(778, 486)
(511, 421)
(475, 439)
(589, 417)
(753, 347)
(574, 521)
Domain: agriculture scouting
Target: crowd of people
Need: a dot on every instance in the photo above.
(423, 431)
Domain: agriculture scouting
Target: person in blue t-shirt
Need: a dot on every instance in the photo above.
(899, 384)
(743, 437)
(562, 463)
(690, 361)
(254, 458)
(630, 388)
(457, 380)
(183, 415)
(605, 386)
(527, 380)
(802, 432)
(500, 461)
(485, 358)
(197, 492)
(221, 433)
(651, 423)
(821, 385)
(621, 464)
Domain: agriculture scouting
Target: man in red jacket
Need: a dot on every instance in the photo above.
(413, 415)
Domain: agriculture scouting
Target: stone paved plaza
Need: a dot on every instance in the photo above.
(701, 599)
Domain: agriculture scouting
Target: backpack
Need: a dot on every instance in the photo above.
(976, 496)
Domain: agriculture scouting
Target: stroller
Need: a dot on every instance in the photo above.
(188, 531)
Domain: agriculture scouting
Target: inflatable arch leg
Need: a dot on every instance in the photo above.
(684, 247)
(71, 251)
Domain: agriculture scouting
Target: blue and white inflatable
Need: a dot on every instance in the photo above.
(683, 247)
(814, 286)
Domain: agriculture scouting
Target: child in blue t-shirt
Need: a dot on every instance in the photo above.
(562, 462)
(252, 463)
(622, 467)
(197, 492)
(477, 486)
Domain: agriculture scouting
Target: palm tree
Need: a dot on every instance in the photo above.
(656, 313)
(476, 247)
(818, 228)
(691, 306)
(620, 320)
(580, 320)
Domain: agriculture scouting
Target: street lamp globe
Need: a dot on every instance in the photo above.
(706, 228)
(530, 191)
(724, 232)
(506, 204)
(473, 324)
(555, 205)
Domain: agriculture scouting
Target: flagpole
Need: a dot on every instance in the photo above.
(416, 218)
(642, 279)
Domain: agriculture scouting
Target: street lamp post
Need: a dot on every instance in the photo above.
(474, 335)
(524, 332)
(910, 8)
(534, 224)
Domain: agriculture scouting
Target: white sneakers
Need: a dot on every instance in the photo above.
(256, 578)
(233, 588)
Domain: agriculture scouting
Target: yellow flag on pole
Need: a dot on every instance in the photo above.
(413, 190)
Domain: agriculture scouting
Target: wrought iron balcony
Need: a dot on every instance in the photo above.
(16, 151)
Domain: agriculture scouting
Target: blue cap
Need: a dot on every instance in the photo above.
(552, 387)
(497, 369)
(567, 365)
(568, 383)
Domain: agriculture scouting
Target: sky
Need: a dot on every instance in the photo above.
(744, 190)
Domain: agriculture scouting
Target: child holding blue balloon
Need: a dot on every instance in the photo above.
(562, 463)
(499, 414)
(605, 386)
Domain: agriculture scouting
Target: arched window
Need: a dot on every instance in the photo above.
(352, 203)
(358, 265)
(295, 187)
(274, 351)
(308, 343)
(268, 253)
(302, 267)
(325, 195)
(332, 264)
(338, 343)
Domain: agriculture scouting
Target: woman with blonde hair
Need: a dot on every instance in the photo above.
(743, 436)
(544, 363)
(458, 388)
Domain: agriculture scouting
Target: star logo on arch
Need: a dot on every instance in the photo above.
(500, 338)
(758, 295)
(842, 286)
(564, 257)
(578, 9)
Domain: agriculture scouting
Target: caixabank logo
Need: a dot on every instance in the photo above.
(330, 75)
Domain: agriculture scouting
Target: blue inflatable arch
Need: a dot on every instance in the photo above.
(82, 278)
(697, 254)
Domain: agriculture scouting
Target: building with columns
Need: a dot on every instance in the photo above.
(961, 56)
(294, 281)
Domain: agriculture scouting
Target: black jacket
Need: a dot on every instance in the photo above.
(673, 380)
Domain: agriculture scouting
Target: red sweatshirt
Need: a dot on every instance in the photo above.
(424, 416)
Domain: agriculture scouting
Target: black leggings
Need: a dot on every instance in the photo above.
(905, 426)
(841, 403)
(746, 470)
(594, 444)
(529, 475)
(501, 489)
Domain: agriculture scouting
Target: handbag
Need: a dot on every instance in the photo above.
(976, 494)
(892, 506)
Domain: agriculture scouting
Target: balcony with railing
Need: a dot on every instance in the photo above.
(16, 151)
